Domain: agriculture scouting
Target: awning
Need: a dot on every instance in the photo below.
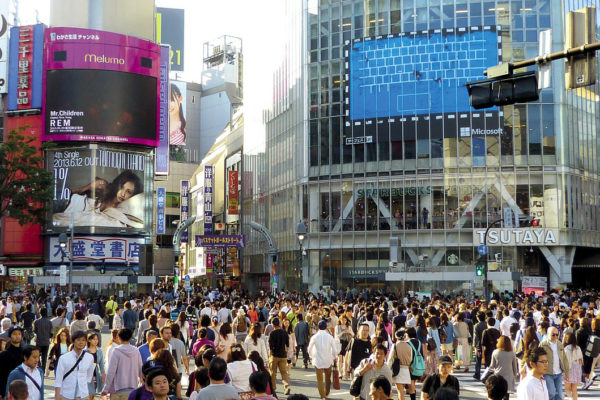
(21, 263)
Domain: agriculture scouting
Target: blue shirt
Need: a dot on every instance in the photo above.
(144, 352)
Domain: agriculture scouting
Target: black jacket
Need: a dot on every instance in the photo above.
(10, 359)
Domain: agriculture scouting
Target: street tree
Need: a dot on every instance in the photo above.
(25, 185)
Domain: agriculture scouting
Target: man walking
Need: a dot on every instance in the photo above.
(12, 356)
(129, 317)
(533, 386)
(42, 327)
(30, 373)
(73, 370)
(323, 352)
(557, 364)
(124, 372)
(59, 322)
(301, 334)
(218, 389)
(278, 345)
(111, 308)
(477, 336)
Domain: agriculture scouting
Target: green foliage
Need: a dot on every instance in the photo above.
(25, 185)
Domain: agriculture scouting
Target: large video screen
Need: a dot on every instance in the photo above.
(416, 73)
(105, 189)
(100, 105)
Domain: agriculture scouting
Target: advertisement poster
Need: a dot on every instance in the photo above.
(4, 17)
(105, 87)
(26, 47)
(100, 187)
(534, 284)
(233, 192)
(184, 209)
(162, 150)
(177, 109)
(208, 199)
(161, 195)
(170, 24)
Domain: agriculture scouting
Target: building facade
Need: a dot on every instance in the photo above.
(393, 149)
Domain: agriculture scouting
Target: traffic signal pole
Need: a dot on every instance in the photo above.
(485, 268)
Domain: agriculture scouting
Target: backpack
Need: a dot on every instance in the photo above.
(417, 366)
(242, 324)
(261, 315)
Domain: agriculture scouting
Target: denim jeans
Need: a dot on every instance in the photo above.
(554, 384)
(477, 373)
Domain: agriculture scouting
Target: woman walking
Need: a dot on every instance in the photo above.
(96, 384)
(504, 362)
(224, 340)
(255, 341)
(463, 335)
(60, 346)
(575, 359)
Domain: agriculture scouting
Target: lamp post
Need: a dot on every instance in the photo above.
(485, 268)
(301, 235)
(62, 241)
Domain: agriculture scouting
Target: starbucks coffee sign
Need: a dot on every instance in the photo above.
(394, 192)
(517, 237)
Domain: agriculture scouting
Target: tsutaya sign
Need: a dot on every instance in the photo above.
(518, 237)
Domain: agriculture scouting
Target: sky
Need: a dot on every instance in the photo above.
(256, 22)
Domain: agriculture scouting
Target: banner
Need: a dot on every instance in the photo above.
(220, 241)
(97, 248)
(208, 199)
(210, 259)
(177, 114)
(170, 24)
(25, 68)
(101, 187)
(4, 17)
(162, 151)
(104, 87)
(233, 192)
(161, 195)
(184, 209)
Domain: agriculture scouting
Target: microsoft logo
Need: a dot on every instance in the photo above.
(465, 131)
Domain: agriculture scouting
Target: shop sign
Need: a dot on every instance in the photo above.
(233, 192)
(384, 192)
(36, 271)
(25, 67)
(95, 248)
(208, 199)
(160, 210)
(220, 241)
(184, 206)
(517, 237)
(359, 140)
(359, 272)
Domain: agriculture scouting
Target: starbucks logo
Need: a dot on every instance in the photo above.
(452, 259)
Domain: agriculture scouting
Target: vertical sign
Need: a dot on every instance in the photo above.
(508, 217)
(4, 11)
(160, 210)
(208, 199)
(162, 151)
(184, 206)
(210, 258)
(233, 192)
(25, 67)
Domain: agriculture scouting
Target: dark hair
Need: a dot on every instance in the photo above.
(91, 325)
(18, 389)
(535, 354)
(153, 321)
(202, 333)
(79, 315)
(209, 354)
(163, 357)
(411, 332)
(90, 336)
(217, 369)
(255, 357)
(570, 339)
(225, 330)
(297, 396)
(496, 387)
(176, 92)
(236, 353)
(275, 322)
(383, 383)
(445, 393)
(60, 332)
(125, 334)
(44, 312)
(154, 373)
(201, 377)
(77, 335)
(204, 320)
(28, 350)
(259, 381)
(110, 192)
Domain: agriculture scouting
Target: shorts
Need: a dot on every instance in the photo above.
(344, 344)
(448, 347)
(403, 376)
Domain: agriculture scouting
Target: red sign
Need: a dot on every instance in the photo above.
(24, 71)
(233, 192)
(209, 264)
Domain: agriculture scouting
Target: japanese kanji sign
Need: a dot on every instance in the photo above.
(95, 248)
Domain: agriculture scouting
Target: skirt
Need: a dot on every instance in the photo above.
(403, 376)
(575, 373)
(344, 347)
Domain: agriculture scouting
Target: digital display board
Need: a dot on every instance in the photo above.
(417, 73)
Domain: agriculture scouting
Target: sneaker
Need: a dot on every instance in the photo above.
(586, 385)
(287, 391)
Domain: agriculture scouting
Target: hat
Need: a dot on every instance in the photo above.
(15, 328)
(445, 360)
(322, 325)
(150, 365)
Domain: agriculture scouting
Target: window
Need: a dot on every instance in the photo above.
(172, 200)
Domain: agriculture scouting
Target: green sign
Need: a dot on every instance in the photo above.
(394, 192)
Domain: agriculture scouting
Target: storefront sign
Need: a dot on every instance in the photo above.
(25, 67)
(208, 199)
(97, 248)
(220, 241)
(384, 192)
(518, 237)
(359, 272)
(359, 140)
(36, 271)
(210, 259)
(233, 192)
(184, 195)
(160, 210)
(534, 284)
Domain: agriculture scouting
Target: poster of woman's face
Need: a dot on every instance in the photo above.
(177, 109)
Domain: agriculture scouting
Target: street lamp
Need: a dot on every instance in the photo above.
(301, 235)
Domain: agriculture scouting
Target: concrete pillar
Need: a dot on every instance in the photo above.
(560, 259)
(314, 277)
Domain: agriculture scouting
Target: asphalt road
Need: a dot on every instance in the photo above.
(305, 381)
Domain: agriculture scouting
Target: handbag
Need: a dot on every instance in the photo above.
(356, 385)
(396, 363)
(335, 379)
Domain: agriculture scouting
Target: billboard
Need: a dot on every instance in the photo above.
(162, 151)
(177, 112)
(170, 23)
(4, 17)
(105, 189)
(101, 86)
(97, 248)
(418, 77)
(25, 68)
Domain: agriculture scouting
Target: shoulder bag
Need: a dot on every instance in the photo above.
(74, 366)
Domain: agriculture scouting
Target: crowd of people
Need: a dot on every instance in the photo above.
(224, 345)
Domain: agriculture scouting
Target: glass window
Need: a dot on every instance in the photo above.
(548, 129)
(336, 131)
(324, 141)
(534, 129)
(383, 141)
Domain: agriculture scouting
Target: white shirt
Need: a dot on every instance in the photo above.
(69, 306)
(76, 384)
(532, 388)
(505, 325)
(322, 349)
(240, 371)
(556, 359)
(32, 390)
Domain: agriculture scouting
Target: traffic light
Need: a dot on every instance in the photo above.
(479, 270)
(527, 222)
(503, 90)
(102, 268)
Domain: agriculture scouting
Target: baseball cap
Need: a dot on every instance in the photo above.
(445, 360)
(150, 365)
(14, 328)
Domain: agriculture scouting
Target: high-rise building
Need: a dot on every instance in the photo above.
(371, 136)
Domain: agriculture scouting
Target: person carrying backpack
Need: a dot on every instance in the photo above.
(111, 307)
(417, 365)
(240, 325)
